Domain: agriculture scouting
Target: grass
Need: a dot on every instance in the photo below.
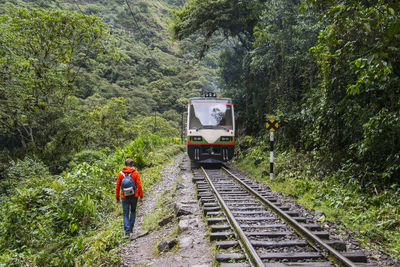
(151, 220)
(374, 217)
(102, 247)
(214, 251)
(163, 207)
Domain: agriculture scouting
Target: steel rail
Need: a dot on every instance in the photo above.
(246, 242)
(297, 226)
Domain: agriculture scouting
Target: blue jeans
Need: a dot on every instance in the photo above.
(129, 210)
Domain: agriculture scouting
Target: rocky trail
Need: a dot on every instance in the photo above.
(181, 240)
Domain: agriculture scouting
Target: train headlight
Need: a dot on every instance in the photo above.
(210, 94)
(226, 138)
(196, 138)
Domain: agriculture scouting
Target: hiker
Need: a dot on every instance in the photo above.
(130, 190)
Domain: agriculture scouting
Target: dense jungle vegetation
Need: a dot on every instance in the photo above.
(328, 71)
(84, 85)
(81, 83)
(90, 75)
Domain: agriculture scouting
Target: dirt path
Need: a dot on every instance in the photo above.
(194, 247)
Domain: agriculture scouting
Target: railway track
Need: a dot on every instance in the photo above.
(252, 228)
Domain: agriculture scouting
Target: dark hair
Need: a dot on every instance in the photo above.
(129, 162)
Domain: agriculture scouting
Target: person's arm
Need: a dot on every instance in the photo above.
(139, 186)
(118, 188)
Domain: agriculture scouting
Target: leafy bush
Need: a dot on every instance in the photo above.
(151, 125)
(28, 167)
(139, 149)
(374, 215)
(67, 219)
(19, 171)
(88, 156)
(51, 214)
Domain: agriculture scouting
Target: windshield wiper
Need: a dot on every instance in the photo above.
(205, 127)
(225, 128)
(213, 127)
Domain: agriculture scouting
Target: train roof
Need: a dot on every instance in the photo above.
(210, 100)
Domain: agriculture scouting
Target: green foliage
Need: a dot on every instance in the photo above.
(267, 66)
(154, 125)
(89, 156)
(27, 167)
(69, 98)
(19, 172)
(327, 70)
(102, 247)
(55, 212)
(207, 17)
(373, 216)
(92, 126)
(122, 65)
(163, 208)
(353, 116)
(41, 53)
(139, 148)
(71, 218)
(110, 123)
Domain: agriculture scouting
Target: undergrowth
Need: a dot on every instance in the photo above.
(374, 216)
(72, 218)
(162, 208)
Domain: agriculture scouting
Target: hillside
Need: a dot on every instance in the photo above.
(148, 73)
(83, 85)
(328, 72)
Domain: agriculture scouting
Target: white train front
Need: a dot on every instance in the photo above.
(210, 129)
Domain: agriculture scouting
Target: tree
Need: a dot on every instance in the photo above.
(41, 54)
(110, 127)
(356, 111)
(233, 18)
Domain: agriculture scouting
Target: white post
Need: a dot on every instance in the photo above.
(271, 156)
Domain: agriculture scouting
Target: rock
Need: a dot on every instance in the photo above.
(183, 225)
(203, 265)
(183, 167)
(179, 258)
(319, 213)
(181, 209)
(186, 242)
(166, 220)
(163, 246)
(179, 186)
(194, 223)
(166, 245)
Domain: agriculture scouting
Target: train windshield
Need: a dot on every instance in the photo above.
(210, 116)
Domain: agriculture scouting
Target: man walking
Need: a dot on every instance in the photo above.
(129, 200)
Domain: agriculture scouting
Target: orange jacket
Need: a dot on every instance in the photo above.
(136, 179)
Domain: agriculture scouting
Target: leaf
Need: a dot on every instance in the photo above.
(367, 27)
(321, 219)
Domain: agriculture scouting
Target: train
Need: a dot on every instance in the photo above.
(210, 129)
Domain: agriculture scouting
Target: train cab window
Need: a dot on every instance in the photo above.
(210, 115)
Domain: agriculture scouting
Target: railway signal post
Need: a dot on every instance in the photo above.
(272, 126)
